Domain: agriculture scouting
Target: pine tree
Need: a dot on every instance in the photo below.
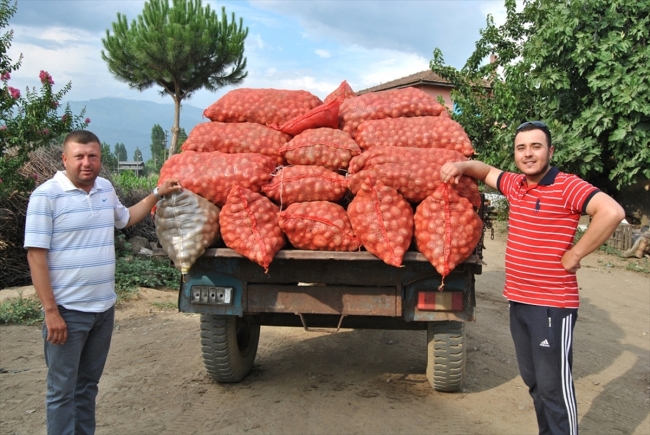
(120, 152)
(157, 147)
(181, 48)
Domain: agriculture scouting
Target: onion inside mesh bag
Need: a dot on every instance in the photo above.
(186, 224)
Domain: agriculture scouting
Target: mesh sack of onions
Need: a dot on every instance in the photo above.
(325, 115)
(304, 183)
(211, 175)
(186, 225)
(447, 229)
(343, 92)
(263, 106)
(395, 103)
(383, 220)
(325, 147)
(231, 138)
(414, 172)
(417, 132)
(318, 226)
(249, 226)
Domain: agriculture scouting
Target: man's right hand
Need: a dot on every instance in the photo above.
(57, 330)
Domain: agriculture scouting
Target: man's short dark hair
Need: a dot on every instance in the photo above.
(81, 136)
(535, 125)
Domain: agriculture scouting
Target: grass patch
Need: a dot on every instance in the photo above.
(21, 311)
(167, 305)
(132, 272)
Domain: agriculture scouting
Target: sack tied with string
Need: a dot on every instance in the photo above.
(318, 226)
(212, 174)
(302, 183)
(383, 220)
(186, 224)
(249, 226)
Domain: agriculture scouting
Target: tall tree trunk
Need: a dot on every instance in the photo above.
(175, 129)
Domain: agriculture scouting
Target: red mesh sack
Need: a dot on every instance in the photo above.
(305, 183)
(318, 226)
(343, 92)
(325, 115)
(417, 132)
(447, 229)
(383, 220)
(263, 106)
(232, 138)
(395, 103)
(325, 147)
(249, 225)
(414, 172)
(211, 175)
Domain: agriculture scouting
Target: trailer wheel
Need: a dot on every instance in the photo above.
(446, 355)
(229, 346)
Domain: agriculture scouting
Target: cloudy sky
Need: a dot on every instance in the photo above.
(309, 45)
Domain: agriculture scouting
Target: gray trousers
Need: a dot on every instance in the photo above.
(74, 369)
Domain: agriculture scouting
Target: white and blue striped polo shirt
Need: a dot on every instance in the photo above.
(77, 229)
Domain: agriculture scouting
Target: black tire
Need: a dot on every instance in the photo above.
(229, 345)
(446, 355)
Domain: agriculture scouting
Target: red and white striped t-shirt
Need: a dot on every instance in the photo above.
(541, 228)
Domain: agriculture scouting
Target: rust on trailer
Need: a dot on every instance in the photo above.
(369, 301)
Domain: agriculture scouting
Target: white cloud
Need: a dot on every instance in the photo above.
(323, 53)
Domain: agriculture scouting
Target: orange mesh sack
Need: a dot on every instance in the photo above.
(447, 229)
(318, 226)
(343, 92)
(417, 132)
(249, 226)
(395, 103)
(383, 220)
(211, 175)
(325, 115)
(232, 138)
(186, 225)
(305, 183)
(325, 147)
(264, 106)
(414, 172)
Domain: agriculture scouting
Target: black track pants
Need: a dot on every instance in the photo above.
(543, 338)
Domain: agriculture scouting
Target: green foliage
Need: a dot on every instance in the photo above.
(181, 48)
(109, 160)
(120, 152)
(127, 181)
(132, 272)
(137, 155)
(27, 121)
(157, 146)
(580, 66)
(182, 137)
(21, 311)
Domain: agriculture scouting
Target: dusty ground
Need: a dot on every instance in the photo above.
(353, 382)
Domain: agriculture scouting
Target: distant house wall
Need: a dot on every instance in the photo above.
(435, 91)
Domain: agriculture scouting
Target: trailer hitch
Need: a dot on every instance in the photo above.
(328, 330)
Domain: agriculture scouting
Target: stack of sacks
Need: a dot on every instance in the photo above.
(340, 175)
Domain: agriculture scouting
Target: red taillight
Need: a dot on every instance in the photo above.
(440, 301)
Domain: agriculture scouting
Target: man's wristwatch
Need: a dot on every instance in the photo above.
(158, 195)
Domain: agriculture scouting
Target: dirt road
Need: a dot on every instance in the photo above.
(355, 381)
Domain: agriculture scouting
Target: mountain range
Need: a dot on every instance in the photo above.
(130, 122)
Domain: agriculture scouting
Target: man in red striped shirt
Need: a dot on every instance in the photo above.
(541, 264)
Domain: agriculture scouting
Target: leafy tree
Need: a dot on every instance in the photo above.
(157, 146)
(137, 155)
(120, 152)
(27, 121)
(182, 137)
(109, 160)
(580, 66)
(181, 48)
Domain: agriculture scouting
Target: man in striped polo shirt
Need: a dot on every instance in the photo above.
(541, 264)
(69, 234)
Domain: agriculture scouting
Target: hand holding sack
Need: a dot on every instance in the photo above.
(447, 229)
(414, 172)
(325, 147)
(293, 184)
(249, 226)
(263, 106)
(212, 174)
(416, 132)
(318, 226)
(232, 138)
(383, 220)
(186, 225)
(395, 103)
